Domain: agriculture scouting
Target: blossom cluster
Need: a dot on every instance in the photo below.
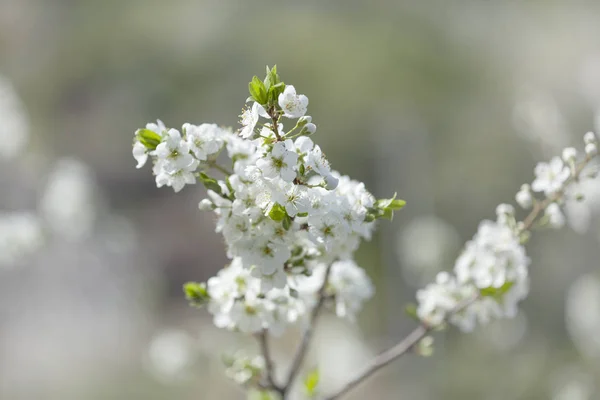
(290, 223)
(491, 276)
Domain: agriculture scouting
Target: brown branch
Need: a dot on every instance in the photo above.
(269, 367)
(306, 338)
(382, 360)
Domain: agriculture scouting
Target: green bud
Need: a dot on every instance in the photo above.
(148, 138)
(311, 383)
(196, 293)
(277, 212)
(496, 293)
(425, 346)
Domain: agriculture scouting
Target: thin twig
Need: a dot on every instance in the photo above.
(275, 120)
(382, 360)
(269, 368)
(220, 168)
(395, 352)
(306, 338)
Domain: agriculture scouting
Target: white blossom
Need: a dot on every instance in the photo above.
(280, 162)
(293, 105)
(569, 154)
(203, 140)
(524, 197)
(20, 235)
(14, 129)
(556, 218)
(550, 177)
(67, 204)
(249, 119)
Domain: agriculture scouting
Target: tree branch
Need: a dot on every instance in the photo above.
(306, 338)
(382, 360)
(269, 368)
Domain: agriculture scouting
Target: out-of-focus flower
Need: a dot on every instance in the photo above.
(583, 314)
(67, 204)
(20, 235)
(424, 247)
(170, 355)
(572, 383)
(14, 124)
(537, 118)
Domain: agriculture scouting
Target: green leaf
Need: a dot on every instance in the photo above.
(496, 293)
(397, 204)
(148, 138)
(411, 311)
(304, 214)
(196, 293)
(277, 212)
(387, 214)
(210, 183)
(257, 90)
(311, 383)
(287, 222)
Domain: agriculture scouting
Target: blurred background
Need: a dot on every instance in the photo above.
(449, 103)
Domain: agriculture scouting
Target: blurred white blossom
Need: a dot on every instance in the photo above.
(67, 204)
(20, 235)
(583, 314)
(424, 246)
(572, 383)
(170, 355)
(14, 123)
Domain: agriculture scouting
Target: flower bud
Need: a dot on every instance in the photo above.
(206, 205)
(524, 197)
(590, 137)
(302, 121)
(569, 154)
(591, 149)
(309, 129)
(425, 347)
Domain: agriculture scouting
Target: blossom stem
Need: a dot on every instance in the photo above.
(383, 359)
(275, 124)
(542, 205)
(306, 338)
(395, 352)
(269, 367)
(220, 168)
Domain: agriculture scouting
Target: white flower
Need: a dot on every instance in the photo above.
(293, 105)
(173, 152)
(556, 218)
(203, 140)
(249, 118)
(591, 149)
(569, 154)
(67, 204)
(171, 354)
(493, 258)
(437, 299)
(280, 162)
(14, 129)
(294, 198)
(315, 161)
(590, 137)
(550, 177)
(265, 254)
(351, 287)
(524, 197)
(177, 179)
(140, 154)
(174, 165)
(20, 235)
